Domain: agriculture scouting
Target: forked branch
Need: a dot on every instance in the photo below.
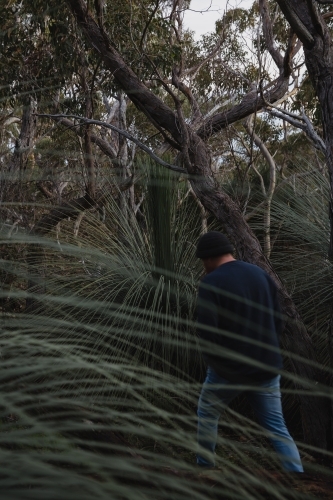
(125, 134)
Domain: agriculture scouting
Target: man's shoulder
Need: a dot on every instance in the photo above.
(236, 270)
(251, 268)
(234, 266)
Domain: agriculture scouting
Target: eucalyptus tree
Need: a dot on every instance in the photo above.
(183, 100)
(189, 137)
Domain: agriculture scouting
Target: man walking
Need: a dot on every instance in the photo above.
(239, 322)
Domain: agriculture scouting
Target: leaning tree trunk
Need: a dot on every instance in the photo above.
(310, 27)
(315, 412)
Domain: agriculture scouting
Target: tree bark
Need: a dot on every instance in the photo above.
(25, 141)
(315, 417)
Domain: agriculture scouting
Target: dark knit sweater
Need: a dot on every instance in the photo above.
(239, 301)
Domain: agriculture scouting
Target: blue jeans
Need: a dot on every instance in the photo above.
(265, 398)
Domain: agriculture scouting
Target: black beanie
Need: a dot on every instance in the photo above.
(213, 244)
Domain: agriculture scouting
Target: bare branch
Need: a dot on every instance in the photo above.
(77, 224)
(312, 134)
(125, 134)
(251, 103)
(292, 49)
(73, 208)
(43, 189)
(69, 209)
(196, 113)
(302, 122)
(299, 121)
(220, 105)
(159, 114)
(148, 23)
(266, 154)
(212, 53)
(11, 120)
(268, 34)
(328, 15)
(248, 124)
(262, 184)
(103, 145)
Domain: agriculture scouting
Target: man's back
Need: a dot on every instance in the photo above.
(240, 301)
(239, 318)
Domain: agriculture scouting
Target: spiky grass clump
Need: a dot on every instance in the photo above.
(101, 375)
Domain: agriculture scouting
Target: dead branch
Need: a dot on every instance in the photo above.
(194, 69)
